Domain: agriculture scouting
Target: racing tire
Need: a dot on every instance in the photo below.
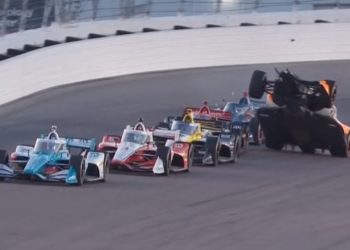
(245, 142)
(164, 154)
(77, 162)
(190, 158)
(4, 159)
(274, 144)
(257, 84)
(212, 144)
(106, 164)
(235, 152)
(307, 149)
(341, 151)
(257, 132)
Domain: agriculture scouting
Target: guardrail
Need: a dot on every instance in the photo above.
(17, 15)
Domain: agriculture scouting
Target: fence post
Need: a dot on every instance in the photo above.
(181, 9)
(23, 19)
(218, 5)
(4, 18)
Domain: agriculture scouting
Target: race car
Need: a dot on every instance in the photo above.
(301, 113)
(244, 114)
(144, 150)
(214, 138)
(50, 159)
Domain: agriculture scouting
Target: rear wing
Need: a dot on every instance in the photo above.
(80, 143)
(213, 124)
(258, 103)
(210, 114)
(83, 143)
(160, 136)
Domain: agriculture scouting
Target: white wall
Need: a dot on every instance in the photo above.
(59, 32)
(113, 56)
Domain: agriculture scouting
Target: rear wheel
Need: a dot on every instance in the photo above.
(341, 151)
(257, 84)
(4, 159)
(212, 144)
(77, 162)
(273, 144)
(307, 149)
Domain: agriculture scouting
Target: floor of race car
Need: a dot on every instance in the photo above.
(268, 200)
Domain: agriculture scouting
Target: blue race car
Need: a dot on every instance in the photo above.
(244, 114)
(50, 159)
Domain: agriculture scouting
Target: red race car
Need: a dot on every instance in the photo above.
(146, 150)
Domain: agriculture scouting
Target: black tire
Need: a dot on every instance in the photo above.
(341, 151)
(164, 154)
(77, 162)
(257, 84)
(190, 157)
(273, 144)
(257, 132)
(212, 144)
(106, 164)
(4, 159)
(307, 149)
(235, 152)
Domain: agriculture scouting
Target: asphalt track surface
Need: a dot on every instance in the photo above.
(268, 200)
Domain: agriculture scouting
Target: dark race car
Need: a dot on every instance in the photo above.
(244, 114)
(301, 113)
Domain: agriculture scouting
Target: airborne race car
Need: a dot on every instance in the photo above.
(51, 160)
(143, 150)
(211, 133)
(300, 113)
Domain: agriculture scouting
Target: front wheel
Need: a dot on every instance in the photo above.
(164, 154)
(237, 143)
(4, 159)
(257, 132)
(106, 164)
(341, 151)
(77, 162)
(190, 158)
(212, 144)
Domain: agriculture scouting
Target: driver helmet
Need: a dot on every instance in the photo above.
(188, 117)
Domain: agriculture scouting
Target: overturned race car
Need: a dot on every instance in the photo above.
(50, 159)
(301, 113)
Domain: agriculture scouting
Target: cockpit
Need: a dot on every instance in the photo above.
(185, 128)
(46, 146)
(134, 136)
